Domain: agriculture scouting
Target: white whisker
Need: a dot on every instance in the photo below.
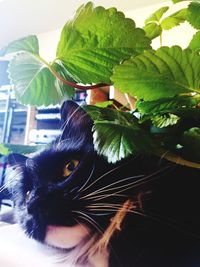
(89, 219)
(81, 189)
(105, 174)
(101, 190)
(137, 183)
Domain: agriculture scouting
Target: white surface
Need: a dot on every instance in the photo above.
(16, 250)
(180, 35)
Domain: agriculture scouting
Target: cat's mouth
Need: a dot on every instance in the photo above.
(66, 237)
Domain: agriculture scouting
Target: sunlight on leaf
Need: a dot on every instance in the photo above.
(174, 20)
(117, 134)
(104, 104)
(163, 73)
(177, 1)
(96, 40)
(165, 120)
(157, 15)
(152, 25)
(194, 14)
(152, 30)
(195, 42)
(167, 105)
(34, 82)
(116, 141)
(28, 44)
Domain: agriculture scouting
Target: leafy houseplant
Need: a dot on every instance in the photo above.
(101, 47)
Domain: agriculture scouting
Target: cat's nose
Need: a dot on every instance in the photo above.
(44, 202)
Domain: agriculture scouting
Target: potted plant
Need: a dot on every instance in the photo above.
(101, 47)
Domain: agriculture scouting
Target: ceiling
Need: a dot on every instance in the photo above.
(19, 18)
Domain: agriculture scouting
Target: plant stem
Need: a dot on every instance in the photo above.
(71, 84)
(161, 39)
(130, 100)
(162, 153)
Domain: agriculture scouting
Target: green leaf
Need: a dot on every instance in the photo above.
(28, 44)
(117, 134)
(167, 105)
(177, 1)
(116, 141)
(67, 92)
(152, 25)
(152, 30)
(6, 149)
(175, 19)
(96, 40)
(191, 144)
(164, 73)
(195, 42)
(156, 16)
(107, 114)
(33, 81)
(165, 120)
(104, 104)
(194, 14)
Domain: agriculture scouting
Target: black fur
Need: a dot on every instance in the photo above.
(164, 231)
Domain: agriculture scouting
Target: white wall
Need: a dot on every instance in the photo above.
(180, 35)
(48, 42)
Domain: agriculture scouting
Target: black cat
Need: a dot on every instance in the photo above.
(67, 196)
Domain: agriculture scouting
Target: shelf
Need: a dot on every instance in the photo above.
(48, 116)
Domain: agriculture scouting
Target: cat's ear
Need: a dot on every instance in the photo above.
(16, 159)
(74, 117)
(74, 120)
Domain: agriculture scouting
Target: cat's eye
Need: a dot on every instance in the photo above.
(69, 168)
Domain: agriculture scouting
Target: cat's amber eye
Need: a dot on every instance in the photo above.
(69, 168)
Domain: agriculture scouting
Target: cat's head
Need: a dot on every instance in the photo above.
(56, 190)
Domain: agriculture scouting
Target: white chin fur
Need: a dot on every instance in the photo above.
(65, 236)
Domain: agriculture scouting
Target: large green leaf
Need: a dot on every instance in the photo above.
(194, 14)
(107, 114)
(195, 42)
(167, 105)
(159, 74)
(33, 81)
(117, 134)
(116, 141)
(67, 91)
(29, 44)
(96, 40)
(175, 19)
